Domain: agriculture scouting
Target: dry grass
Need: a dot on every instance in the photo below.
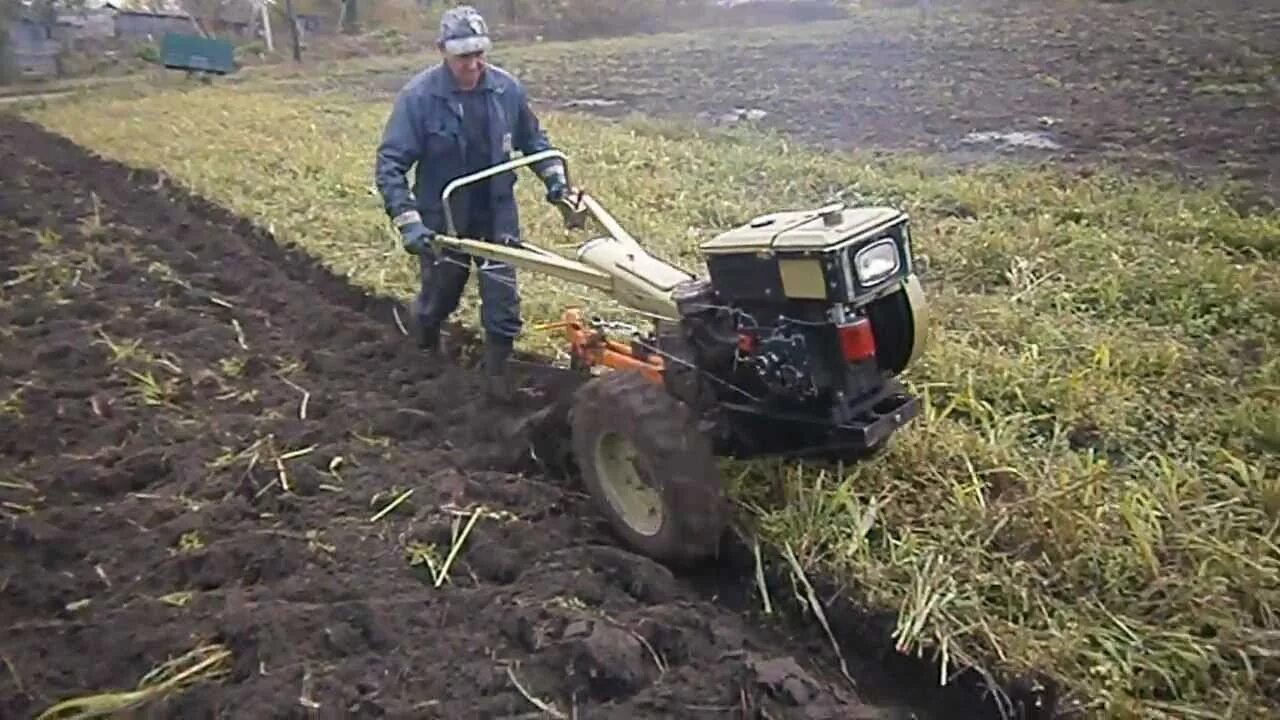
(1094, 488)
(202, 664)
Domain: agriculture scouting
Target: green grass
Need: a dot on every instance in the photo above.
(1093, 490)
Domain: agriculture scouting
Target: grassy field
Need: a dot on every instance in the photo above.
(1093, 490)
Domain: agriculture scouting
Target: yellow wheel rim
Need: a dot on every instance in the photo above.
(620, 473)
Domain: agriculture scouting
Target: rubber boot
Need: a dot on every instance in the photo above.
(498, 383)
(429, 340)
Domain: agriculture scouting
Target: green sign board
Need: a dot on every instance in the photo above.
(197, 54)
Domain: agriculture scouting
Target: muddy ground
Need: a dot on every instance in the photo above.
(1189, 87)
(196, 432)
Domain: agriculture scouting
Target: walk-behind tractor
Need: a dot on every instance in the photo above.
(790, 346)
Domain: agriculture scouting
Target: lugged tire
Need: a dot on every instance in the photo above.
(675, 458)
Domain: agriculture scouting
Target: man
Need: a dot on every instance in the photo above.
(451, 120)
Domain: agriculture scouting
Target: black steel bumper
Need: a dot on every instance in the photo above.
(758, 433)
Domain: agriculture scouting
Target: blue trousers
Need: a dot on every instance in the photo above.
(444, 277)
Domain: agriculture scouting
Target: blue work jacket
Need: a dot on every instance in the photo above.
(425, 128)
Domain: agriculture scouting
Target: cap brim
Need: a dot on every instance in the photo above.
(466, 46)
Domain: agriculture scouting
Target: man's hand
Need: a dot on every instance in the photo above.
(557, 188)
(414, 236)
(558, 194)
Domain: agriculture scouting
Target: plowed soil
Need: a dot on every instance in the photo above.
(197, 430)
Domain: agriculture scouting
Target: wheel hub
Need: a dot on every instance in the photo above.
(623, 478)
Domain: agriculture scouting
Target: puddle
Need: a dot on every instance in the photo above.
(734, 116)
(1017, 139)
(590, 103)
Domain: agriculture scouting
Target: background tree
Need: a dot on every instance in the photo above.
(349, 19)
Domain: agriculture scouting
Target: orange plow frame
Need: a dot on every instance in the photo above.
(592, 348)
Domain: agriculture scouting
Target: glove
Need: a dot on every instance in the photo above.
(414, 236)
(556, 187)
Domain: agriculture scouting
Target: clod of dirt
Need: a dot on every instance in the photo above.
(136, 473)
(642, 578)
(613, 662)
(496, 564)
(521, 630)
(785, 681)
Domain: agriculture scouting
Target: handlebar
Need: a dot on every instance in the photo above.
(496, 170)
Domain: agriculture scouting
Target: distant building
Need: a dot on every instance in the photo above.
(233, 19)
(33, 49)
(142, 24)
(86, 24)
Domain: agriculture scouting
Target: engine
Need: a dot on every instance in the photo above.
(788, 358)
(782, 365)
(798, 332)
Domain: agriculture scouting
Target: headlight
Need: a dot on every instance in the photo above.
(876, 261)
